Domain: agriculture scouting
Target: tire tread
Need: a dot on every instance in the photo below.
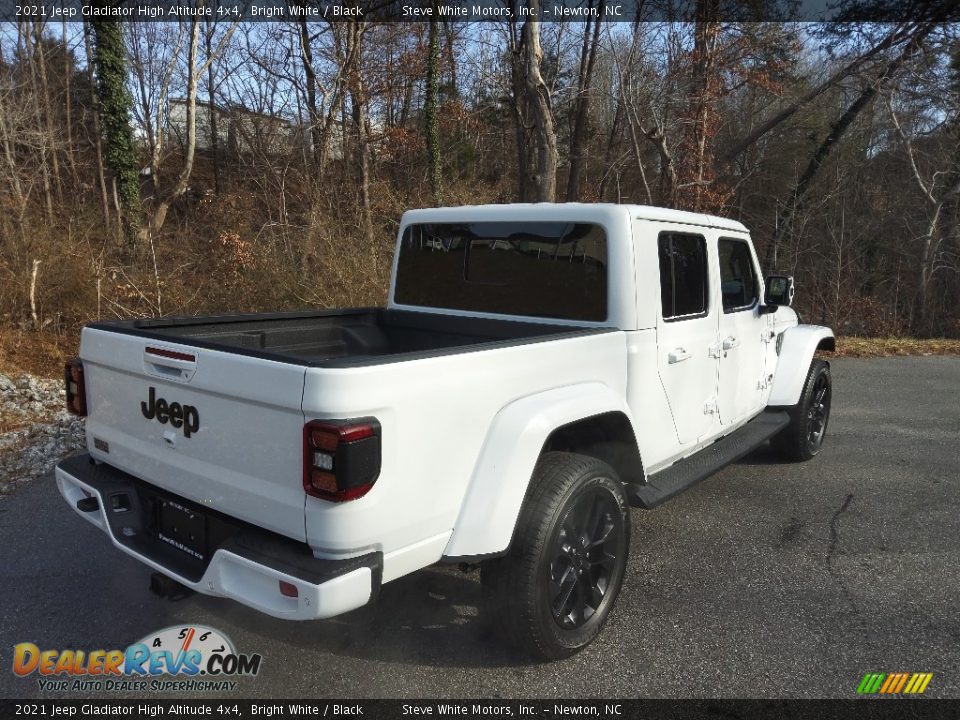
(507, 587)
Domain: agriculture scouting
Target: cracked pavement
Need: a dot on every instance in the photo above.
(766, 580)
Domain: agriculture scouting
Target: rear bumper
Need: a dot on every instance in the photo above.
(242, 562)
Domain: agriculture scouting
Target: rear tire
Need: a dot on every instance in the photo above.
(551, 595)
(803, 437)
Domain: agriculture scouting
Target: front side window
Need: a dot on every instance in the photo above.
(536, 269)
(738, 279)
(683, 275)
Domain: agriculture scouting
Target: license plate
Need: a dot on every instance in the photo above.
(182, 528)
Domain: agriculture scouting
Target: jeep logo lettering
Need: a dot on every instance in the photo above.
(180, 416)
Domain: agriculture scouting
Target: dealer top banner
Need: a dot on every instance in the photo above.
(481, 10)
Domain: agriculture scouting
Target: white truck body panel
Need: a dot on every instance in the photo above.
(489, 511)
(797, 350)
(437, 414)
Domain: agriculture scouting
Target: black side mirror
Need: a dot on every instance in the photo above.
(779, 290)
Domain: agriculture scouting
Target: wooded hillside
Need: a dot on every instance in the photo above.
(181, 168)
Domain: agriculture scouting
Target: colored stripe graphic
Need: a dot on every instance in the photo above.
(870, 683)
(894, 683)
(864, 684)
(890, 682)
(901, 682)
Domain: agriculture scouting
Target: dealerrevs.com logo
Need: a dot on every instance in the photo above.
(200, 658)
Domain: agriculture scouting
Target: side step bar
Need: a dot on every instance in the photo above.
(688, 472)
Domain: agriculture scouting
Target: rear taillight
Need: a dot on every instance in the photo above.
(76, 389)
(341, 458)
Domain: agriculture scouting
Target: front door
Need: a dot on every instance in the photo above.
(744, 332)
(686, 332)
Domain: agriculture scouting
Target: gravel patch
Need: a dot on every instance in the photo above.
(36, 432)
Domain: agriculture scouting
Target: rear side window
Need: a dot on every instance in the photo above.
(538, 269)
(738, 279)
(683, 275)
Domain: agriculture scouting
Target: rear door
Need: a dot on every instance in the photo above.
(224, 430)
(687, 333)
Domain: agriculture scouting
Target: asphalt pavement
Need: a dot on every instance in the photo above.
(766, 580)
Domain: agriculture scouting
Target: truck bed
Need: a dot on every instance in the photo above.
(344, 337)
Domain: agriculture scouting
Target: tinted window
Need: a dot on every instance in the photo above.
(683, 274)
(539, 269)
(738, 281)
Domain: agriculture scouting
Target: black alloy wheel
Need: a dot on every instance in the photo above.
(586, 546)
(803, 438)
(552, 593)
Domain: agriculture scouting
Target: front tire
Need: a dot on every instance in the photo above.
(553, 592)
(803, 437)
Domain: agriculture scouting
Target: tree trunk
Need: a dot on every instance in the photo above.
(697, 172)
(98, 141)
(358, 106)
(24, 29)
(11, 161)
(542, 171)
(110, 61)
(68, 101)
(162, 206)
(430, 110)
(159, 215)
(41, 59)
(212, 118)
(518, 101)
(313, 111)
(612, 139)
(581, 112)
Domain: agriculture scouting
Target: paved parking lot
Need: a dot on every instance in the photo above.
(765, 580)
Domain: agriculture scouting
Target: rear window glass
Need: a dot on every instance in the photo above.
(539, 269)
(683, 275)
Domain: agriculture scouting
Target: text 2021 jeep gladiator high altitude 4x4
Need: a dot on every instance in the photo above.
(538, 370)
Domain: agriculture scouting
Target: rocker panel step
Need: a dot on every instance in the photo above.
(685, 473)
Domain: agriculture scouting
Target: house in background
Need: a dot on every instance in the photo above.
(243, 131)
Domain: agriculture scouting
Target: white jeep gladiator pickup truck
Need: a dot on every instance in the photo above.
(538, 370)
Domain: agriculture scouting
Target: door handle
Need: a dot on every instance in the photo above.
(169, 364)
(678, 355)
(730, 342)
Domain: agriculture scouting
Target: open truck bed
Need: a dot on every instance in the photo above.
(342, 338)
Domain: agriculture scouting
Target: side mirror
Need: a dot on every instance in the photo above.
(779, 290)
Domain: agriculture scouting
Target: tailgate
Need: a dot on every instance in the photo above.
(221, 429)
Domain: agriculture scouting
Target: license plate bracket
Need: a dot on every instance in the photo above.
(182, 528)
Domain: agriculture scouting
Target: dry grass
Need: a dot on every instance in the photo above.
(43, 353)
(38, 353)
(860, 347)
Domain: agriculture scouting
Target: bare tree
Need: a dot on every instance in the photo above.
(838, 129)
(542, 168)
(937, 188)
(154, 53)
(195, 71)
(581, 104)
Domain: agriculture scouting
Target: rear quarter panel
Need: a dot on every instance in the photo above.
(436, 414)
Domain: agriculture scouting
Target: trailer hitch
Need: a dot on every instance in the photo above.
(168, 588)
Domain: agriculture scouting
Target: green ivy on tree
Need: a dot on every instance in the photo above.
(110, 64)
